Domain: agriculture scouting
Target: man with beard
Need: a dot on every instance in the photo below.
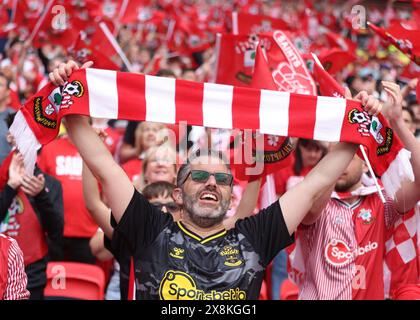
(196, 258)
(340, 247)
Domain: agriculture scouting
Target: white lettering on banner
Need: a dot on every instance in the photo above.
(68, 166)
(290, 54)
(338, 253)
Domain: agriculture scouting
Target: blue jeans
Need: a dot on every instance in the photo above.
(278, 274)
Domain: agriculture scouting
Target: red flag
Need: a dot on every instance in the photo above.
(244, 23)
(336, 59)
(26, 16)
(100, 42)
(408, 41)
(262, 78)
(274, 151)
(410, 71)
(107, 9)
(235, 59)
(4, 20)
(327, 84)
(186, 37)
(83, 52)
(236, 55)
(336, 40)
(58, 27)
(141, 11)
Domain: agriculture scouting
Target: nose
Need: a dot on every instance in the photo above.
(211, 181)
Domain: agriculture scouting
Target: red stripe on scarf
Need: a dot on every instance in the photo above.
(131, 96)
(244, 111)
(302, 107)
(189, 96)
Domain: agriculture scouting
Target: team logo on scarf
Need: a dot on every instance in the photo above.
(383, 136)
(366, 216)
(41, 115)
(59, 98)
(71, 89)
(362, 119)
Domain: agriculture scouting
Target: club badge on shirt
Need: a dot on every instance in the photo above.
(366, 216)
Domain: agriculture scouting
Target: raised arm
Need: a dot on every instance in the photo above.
(246, 205)
(298, 201)
(116, 185)
(373, 107)
(99, 211)
(409, 193)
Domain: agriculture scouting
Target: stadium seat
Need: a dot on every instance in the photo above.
(288, 290)
(73, 280)
(263, 292)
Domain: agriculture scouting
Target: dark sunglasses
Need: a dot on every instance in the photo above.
(170, 206)
(223, 179)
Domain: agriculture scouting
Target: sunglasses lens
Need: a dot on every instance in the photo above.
(223, 178)
(170, 206)
(199, 175)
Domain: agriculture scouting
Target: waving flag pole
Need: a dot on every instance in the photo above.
(123, 9)
(41, 20)
(362, 150)
(116, 46)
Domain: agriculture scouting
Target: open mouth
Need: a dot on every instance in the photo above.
(209, 196)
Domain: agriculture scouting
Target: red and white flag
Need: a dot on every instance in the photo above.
(401, 265)
(236, 58)
(406, 40)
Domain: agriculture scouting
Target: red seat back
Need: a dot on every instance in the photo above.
(74, 280)
(288, 290)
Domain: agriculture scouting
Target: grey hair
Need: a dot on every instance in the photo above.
(185, 168)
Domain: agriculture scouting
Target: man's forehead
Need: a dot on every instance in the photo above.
(209, 163)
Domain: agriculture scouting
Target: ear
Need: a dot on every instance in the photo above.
(365, 167)
(177, 196)
(232, 198)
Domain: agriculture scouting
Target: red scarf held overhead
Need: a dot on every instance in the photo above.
(118, 95)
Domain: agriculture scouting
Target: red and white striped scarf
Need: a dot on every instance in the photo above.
(119, 95)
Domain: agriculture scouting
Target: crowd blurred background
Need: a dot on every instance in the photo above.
(171, 39)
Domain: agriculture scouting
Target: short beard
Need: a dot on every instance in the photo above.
(202, 221)
(347, 185)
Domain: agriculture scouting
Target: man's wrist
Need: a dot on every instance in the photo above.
(397, 123)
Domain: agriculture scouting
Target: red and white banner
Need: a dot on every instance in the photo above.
(236, 58)
(118, 95)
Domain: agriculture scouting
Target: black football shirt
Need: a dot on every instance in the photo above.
(172, 262)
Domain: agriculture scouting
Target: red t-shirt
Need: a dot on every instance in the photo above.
(61, 160)
(133, 168)
(112, 139)
(286, 178)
